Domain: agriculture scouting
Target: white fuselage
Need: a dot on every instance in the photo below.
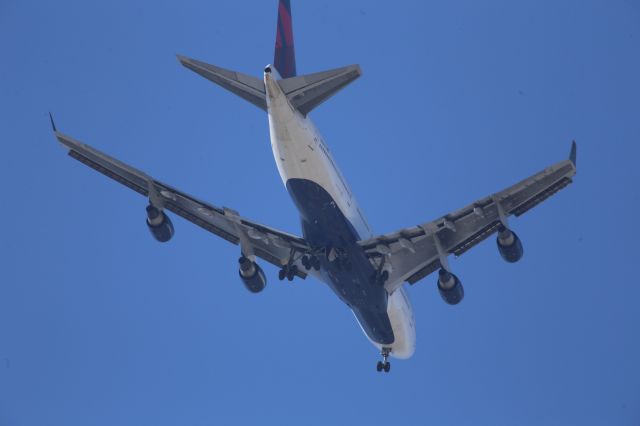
(300, 153)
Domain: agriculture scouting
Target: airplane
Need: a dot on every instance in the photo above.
(367, 272)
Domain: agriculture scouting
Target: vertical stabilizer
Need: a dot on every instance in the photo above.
(285, 56)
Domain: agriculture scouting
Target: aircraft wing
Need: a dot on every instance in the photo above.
(272, 245)
(413, 253)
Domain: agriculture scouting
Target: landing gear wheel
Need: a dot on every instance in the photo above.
(384, 364)
(291, 273)
(315, 261)
(306, 262)
(282, 274)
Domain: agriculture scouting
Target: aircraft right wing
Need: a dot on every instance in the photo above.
(276, 247)
(416, 252)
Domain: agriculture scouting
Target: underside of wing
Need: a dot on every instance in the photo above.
(276, 247)
(413, 253)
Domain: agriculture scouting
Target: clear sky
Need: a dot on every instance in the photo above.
(101, 325)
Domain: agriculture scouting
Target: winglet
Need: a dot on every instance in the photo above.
(53, 124)
(572, 155)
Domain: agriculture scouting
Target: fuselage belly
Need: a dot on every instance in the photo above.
(332, 223)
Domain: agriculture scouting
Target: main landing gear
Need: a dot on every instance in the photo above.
(288, 272)
(310, 262)
(339, 258)
(384, 365)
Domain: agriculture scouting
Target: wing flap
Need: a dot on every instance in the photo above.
(117, 177)
(476, 238)
(530, 192)
(427, 270)
(528, 205)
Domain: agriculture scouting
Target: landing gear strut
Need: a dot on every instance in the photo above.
(380, 275)
(384, 364)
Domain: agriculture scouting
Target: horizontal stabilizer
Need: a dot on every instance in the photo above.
(245, 86)
(306, 92)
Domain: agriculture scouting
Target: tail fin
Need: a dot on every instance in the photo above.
(285, 56)
(305, 92)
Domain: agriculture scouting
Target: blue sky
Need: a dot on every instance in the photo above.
(101, 325)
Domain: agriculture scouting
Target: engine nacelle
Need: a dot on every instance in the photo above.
(509, 245)
(159, 224)
(450, 287)
(252, 275)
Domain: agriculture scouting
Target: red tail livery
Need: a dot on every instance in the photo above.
(285, 55)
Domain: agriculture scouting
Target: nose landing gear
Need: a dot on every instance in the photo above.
(384, 364)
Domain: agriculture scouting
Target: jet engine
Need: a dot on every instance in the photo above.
(450, 287)
(159, 224)
(252, 275)
(509, 245)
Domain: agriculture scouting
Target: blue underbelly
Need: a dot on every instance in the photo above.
(325, 227)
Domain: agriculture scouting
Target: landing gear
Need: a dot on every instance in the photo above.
(288, 272)
(384, 364)
(338, 257)
(310, 262)
(292, 272)
(381, 274)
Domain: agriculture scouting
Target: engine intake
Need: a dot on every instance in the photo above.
(450, 287)
(159, 224)
(509, 245)
(251, 275)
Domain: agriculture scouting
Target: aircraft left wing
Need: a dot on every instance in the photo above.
(413, 253)
(276, 247)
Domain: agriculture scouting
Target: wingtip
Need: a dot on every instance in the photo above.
(572, 155)
(53, 123)
(182, 59)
